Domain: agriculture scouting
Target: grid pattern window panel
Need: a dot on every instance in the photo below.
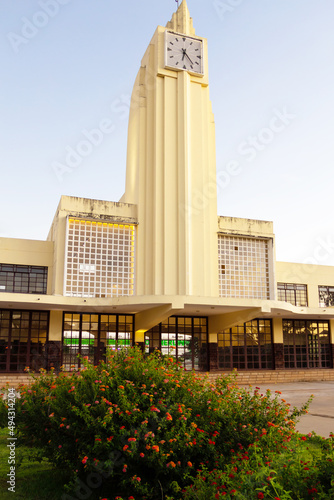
(247, 346)
(23, 339)
(92, 335)
(23, 279)
(306, 344)
(326, 296)
(292, 293)
(185, 338)
(100, 260)
(225, 350)
(119, 331)
(243, 267)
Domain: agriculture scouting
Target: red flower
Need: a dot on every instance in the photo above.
(153, 408)
(260, 495)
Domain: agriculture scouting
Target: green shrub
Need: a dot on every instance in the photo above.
(301, 469)
(142, 426)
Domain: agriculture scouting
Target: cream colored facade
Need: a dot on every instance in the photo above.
(160, 268)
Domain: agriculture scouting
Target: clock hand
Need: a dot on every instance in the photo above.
(184, 54)
(189, 58)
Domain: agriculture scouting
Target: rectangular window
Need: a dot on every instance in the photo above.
(100, 259)
(306, 344)
(185, 338)
(292, 293)
(23, 279)
(248, 346)
(243, 267)
(23, 340)
(91, 335)
(326, 296)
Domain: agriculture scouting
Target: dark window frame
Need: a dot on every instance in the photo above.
(303, 348)
(153, 341)
(16, 278)
(96, 350)
(242, 354)
(20, 351)
(297, 290)
(326, 295)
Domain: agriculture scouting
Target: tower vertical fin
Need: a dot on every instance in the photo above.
(181, 21)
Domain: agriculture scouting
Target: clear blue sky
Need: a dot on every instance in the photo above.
(271, 86)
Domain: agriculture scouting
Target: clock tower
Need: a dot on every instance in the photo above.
(171, 168)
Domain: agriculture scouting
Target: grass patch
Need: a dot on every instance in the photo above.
(34, 480)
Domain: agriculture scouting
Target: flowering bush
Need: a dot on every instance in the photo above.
(301, 469)
(143, 427)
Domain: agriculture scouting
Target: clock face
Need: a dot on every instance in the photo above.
(184, 53)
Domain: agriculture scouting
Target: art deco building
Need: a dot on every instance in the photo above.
(160, 268)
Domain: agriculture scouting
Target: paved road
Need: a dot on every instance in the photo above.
(320, 418)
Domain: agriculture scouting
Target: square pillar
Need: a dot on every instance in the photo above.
(278, 343)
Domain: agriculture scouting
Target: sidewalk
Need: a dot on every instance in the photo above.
(320, 418)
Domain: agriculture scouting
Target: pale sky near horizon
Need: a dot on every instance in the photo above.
(68, 65)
